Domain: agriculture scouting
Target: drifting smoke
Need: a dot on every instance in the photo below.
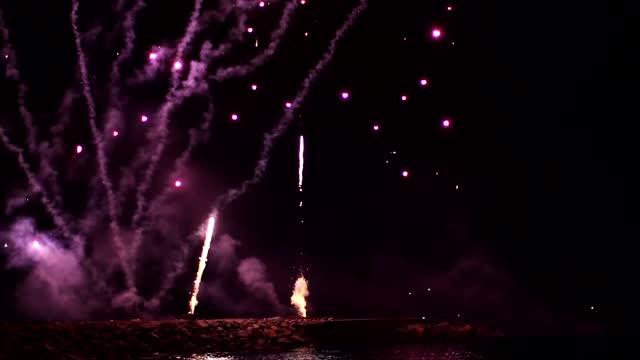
(225, 255)
(253, 274)
(56, 286)
(299, 296)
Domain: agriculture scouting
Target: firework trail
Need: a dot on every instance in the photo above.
(286, 120)
(299, 296)
(13, 73)
(36, 187)
(124, 55)
(171, 100)
(276, 38)
(202, 264)
(300, 162)
(97, 138)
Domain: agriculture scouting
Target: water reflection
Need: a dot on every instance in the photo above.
(418, 352)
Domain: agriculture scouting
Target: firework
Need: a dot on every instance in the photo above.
(300, 162)
(202, 264)
(299, 296)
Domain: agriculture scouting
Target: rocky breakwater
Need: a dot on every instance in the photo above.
(136, 339)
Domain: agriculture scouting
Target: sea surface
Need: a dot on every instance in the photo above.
(531, 348)
(386, 353)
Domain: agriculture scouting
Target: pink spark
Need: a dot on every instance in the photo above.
(144, 118)
(78, 149)
(115, 133)
(177, 65)
(405, 173)
(254, 87)
(35, 244)
(288, 105)
(303, 2)
(306, 34)
(449, 8)
(153, 56)
(376, 127)
(250, 30)
(423, 82)
(446, 123)
(178, 183)
(345, 95)
(404, 97)
(261, 4)
(436, 33)
(234, 117)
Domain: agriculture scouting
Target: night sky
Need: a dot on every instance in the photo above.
(507, 216)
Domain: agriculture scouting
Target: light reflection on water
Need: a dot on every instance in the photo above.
(417, 352)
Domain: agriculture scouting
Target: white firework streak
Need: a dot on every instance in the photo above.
(202, 264)
(300, 162)
(97, 138)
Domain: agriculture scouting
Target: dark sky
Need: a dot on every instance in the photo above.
(530, 96)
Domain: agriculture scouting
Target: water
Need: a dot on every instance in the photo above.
(414, 352)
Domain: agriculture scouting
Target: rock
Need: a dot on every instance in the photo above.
(284, 340)
(202, 323)
(243, 333)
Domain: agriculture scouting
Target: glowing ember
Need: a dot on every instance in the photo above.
(404, 97)
(303, 2)
(423, 82)
(306, 34)
(449, 8)
(254, 87)
(446, 123)
(261, 4)
(299, 297)
(234, 117)
(177, 65)
(250, 30)
(35, 244)
(288, 105)
(78, 149)
(202, 264)
(436, 33)
(345, 95)
(405, 173)
(115, 133)
(376, 127)
(144, 118)
(153, 56)
(178, 183)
